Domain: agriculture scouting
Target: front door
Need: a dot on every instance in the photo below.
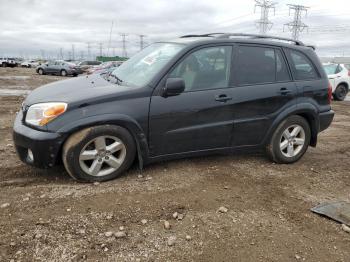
(200, 118)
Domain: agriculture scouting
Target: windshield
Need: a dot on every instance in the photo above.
(143, 66)
(330, 69)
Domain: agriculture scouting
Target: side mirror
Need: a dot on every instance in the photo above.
(173, 87)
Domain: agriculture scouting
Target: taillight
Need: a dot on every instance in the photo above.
(329, 93)
(348, 72)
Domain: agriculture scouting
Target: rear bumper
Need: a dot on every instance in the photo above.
(326, 119)
(45, 146)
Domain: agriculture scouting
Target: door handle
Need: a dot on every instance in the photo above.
(284, 91)
(222, 98)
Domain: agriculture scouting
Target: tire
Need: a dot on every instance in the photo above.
(293, 148)
(3, 64)
(80, 153)
(340, 93)
(41, 71)
(29, 66)
(63, 73)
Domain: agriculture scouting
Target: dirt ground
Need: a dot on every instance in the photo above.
(46, 216)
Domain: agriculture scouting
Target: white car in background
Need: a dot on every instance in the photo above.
(30, 63)
(339, 77)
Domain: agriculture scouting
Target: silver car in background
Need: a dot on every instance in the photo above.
(58, 67)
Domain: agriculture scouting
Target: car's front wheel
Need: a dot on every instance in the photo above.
(99, 153)
(41, 71)
(63, 72)
(290, 140)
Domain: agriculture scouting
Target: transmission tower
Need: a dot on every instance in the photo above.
(123, 35)
(297, 26)
(88, 50)
(101, 47)
(142, 43)
(264, 24)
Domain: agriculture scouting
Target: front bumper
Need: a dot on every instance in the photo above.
(45, 146)
(326, 119)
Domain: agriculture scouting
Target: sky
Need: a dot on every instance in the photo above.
(51, 28)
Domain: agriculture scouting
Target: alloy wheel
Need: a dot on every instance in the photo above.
(292, 140)
(102, 156)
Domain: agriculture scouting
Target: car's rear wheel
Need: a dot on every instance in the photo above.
(29, 66)
(99, 153)
(63, 72)
(3, 64)
(290, 140)
(340, 93)
(41, 71)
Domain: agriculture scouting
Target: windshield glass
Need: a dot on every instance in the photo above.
(330, 69)
(143, 66)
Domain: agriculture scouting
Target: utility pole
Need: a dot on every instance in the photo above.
(101, 47)
(264, 24)
(123, 35)
(73, 52)
(297, 26)
(61, 53)
(142, 43)
(110, 38)
(88, 50)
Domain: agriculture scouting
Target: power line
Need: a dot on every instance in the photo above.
(264, 23)
(297, 26)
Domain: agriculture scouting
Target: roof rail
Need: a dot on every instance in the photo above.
(228, 35)
(203, 35)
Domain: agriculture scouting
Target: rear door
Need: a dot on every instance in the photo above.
(200, 118)
(263, 89)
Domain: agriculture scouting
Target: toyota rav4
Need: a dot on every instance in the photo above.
(195, 95)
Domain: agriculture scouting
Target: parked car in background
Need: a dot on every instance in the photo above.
(8, 62)
(339, 77)
(59, 68)
(103, 67)
(183, 98)
(30, 63)
(85, 65)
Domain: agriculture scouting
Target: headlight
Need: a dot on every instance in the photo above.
(43, 113)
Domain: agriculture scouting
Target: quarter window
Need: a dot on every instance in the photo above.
(302, 66)
(258, 65)
(207, 68)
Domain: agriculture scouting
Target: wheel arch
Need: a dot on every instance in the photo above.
(307, 111)
(124, 121)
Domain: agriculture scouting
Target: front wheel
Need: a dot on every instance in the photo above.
(99, 153)
(63, 72)
(290, 140)
(40, 71)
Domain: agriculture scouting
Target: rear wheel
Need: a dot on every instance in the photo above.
(99, 153)
(40, 71)
(340, 93)
(3, 64)
(290, 140)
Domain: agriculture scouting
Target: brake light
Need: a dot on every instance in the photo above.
(329, 93)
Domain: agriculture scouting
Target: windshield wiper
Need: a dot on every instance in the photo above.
(118, 80)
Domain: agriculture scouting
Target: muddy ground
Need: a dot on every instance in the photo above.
(52, 218)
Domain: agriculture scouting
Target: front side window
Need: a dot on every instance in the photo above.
(302, 66)
(146, 64)
(207, 68)
(258, 65)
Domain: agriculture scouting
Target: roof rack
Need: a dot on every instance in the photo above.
(203, 35)
(228, 35)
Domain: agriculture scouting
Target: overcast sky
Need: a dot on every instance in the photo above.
(38, 27)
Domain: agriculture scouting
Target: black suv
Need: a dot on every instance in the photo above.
(198, 94)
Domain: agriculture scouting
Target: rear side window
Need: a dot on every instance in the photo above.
(258, 65)
(302, 66)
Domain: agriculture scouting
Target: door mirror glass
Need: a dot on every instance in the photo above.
(173, 87)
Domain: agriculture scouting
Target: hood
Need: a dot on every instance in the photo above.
(75, 90)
